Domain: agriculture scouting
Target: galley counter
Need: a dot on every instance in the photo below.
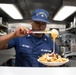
(6, 55)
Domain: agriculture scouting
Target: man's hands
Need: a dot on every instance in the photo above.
(21, 31)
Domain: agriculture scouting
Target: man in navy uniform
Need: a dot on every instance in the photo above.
(29, 47)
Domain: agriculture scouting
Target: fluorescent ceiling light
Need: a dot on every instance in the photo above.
(11, 10)
(64, 12)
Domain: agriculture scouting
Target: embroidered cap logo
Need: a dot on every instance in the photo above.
(42, 14)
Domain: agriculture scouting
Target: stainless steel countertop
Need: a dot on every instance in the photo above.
(4, 58)
(5, 55)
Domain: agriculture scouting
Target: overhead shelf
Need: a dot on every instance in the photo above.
(3, 26)
(3, 29)
(71, 29)
(1, 34)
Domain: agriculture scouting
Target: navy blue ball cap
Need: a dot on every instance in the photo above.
(40, 15)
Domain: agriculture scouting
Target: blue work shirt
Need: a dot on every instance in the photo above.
(28, 49)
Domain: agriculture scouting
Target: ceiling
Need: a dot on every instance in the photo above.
(26, 7)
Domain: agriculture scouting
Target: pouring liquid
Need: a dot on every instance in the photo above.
(54, 34)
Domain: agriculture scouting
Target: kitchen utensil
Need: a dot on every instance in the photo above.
(38, 32)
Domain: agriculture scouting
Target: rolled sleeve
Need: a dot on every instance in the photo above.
(11, 43)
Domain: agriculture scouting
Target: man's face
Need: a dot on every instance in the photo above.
(38, 26)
